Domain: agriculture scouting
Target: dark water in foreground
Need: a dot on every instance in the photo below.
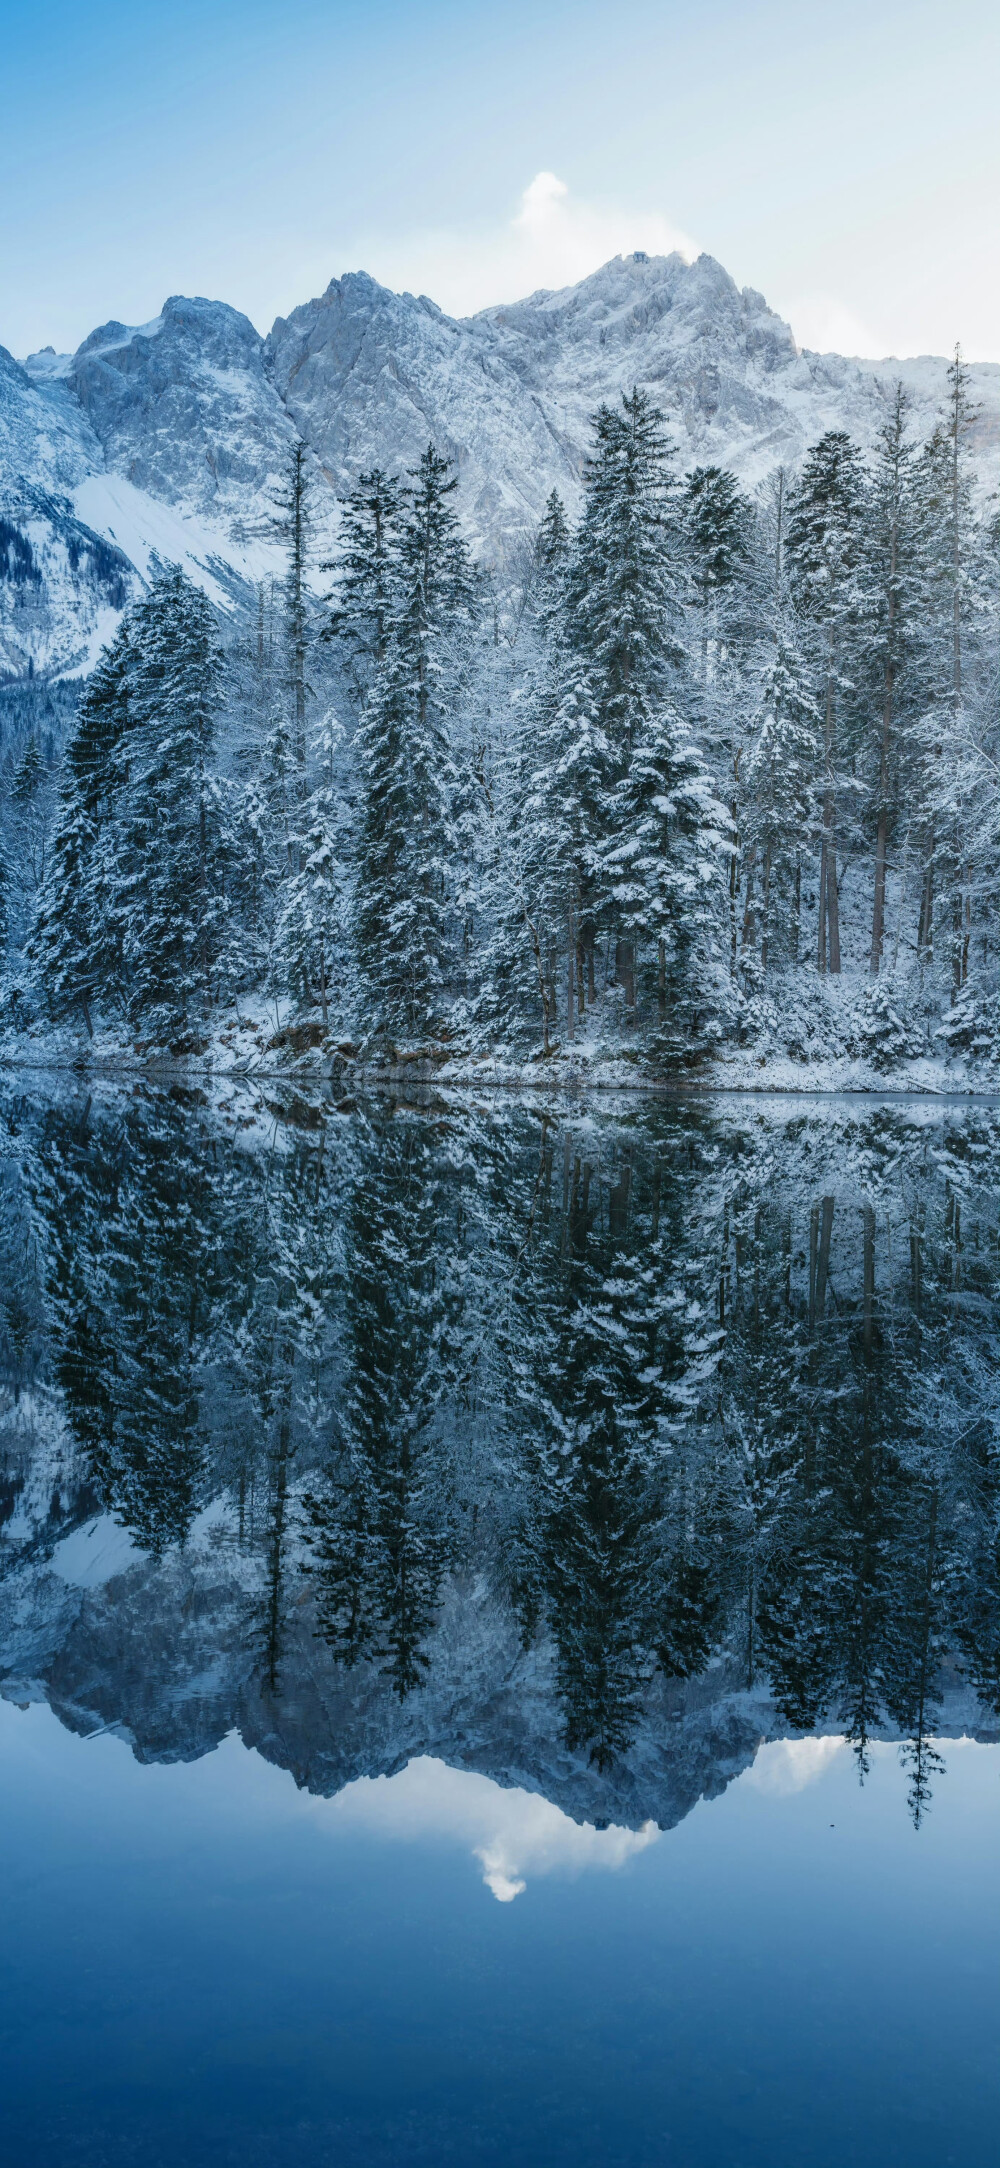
(500, 1630)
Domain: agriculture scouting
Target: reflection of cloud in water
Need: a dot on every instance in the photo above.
(512, 1833)
(788, 1765)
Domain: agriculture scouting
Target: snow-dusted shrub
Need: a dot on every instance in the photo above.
(886, 1031)
(972, 1025)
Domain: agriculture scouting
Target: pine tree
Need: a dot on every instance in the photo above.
(74, 945)
(293, 525)
(625, 594)
(948, 604)
(29, 774)
(824, 542)
(716, 527)
(407, 776)
(310, 933)
(59, 947)
(780, 796)
(366, 594)
(169, 840)
(527, 876)
(666, 878)
(891, 565)
(5, 885)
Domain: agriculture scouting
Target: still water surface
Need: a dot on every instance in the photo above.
(499, 1630)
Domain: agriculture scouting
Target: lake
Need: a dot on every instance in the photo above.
(499, 1630)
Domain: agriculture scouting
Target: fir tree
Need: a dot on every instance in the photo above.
(666, 877)
(892, 566)
(625, 594)
(824, 546)
(168, 838)
(310, 933)
(717, 529)
(368, 570)
(780, 795)
(293, 524)
(407, 776)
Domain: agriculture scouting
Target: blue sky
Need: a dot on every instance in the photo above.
(844, 159)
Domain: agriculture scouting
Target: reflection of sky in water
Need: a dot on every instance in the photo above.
(514, 1834)
(203, 1962)
(586, 1455)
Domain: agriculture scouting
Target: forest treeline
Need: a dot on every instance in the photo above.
(680, 1393)
(662, 781)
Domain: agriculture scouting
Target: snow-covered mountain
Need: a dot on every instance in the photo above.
(170, 437)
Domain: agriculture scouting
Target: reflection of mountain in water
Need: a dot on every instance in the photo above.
(583, 1450)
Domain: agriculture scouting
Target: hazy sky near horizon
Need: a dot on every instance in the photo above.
(844, 159)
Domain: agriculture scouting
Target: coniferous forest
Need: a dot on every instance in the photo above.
(625, 1416)
(702, 771)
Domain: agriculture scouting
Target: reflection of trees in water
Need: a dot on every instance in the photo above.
(685, 1385)
(380, 1524)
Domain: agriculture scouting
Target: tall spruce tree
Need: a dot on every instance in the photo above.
(293, 521)
(75, 945)
(891, 549)
(824, 547)
(310, 934)
(407, 777)
(625, 595)
(780, 800)
(169, 839)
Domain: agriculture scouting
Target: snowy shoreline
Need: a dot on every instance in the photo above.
(731, 1078)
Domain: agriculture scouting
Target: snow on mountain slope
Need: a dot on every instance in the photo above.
(63, 583)
(724, 367)
(182, 408)
(371, 377)
(169, 438)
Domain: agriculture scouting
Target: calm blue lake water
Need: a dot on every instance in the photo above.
(499, 1634)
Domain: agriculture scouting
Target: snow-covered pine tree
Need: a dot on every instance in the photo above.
(625, 596)
(406, 772)
(293, 522)
(779, 788)
(824, 550)
(364, 599)
(58, 950)
(950, 602)
(74, 945)
(717, 525)
(529, 875)
(309, 948)
(561, 839)
(892, 612)
(169, 841)
(666, 874)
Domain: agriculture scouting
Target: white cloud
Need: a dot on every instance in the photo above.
(789, 1765)
(552, 240)
(828, 326)
(512, 1833)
